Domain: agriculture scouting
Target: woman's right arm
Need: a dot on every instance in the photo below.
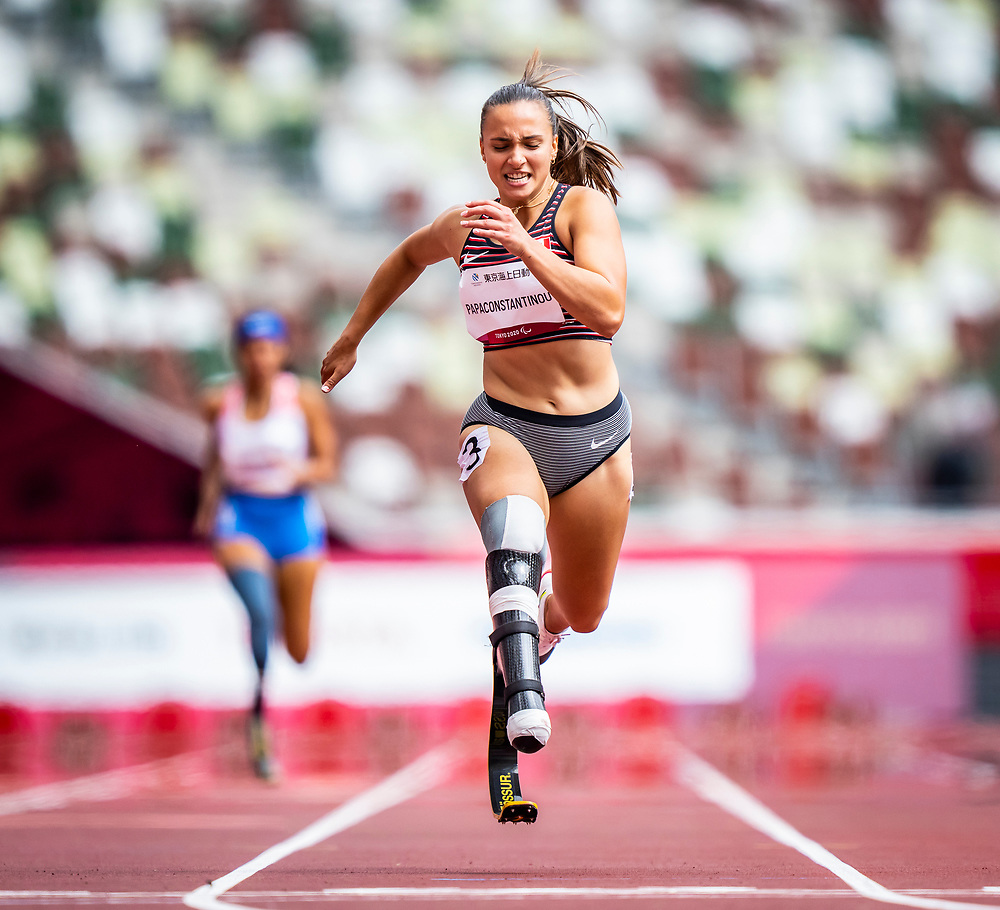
(211, 473)
(431, 243)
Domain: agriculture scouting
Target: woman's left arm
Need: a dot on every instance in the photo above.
(592, 290)
(321, 464)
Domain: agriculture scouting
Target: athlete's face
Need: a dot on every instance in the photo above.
(518, 147)
(262, 359)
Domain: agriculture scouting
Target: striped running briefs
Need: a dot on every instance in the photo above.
(565, 447)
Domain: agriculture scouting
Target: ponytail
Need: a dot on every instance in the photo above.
(579, 161)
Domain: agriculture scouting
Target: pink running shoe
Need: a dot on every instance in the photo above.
(546, 640)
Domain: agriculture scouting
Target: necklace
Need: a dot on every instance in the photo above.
(531, 203)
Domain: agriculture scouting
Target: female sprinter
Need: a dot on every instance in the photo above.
(546, 445)
(271, 439)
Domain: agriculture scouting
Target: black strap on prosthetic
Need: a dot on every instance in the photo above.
(513, 627)
(523, 685)
(509, 628)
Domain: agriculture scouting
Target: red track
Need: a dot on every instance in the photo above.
(179, 827)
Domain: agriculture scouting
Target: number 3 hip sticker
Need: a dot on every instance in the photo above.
(473, 451)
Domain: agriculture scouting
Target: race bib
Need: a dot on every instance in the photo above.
(506, 302)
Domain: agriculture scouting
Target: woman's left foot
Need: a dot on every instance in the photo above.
(262, 760)
(546, 640)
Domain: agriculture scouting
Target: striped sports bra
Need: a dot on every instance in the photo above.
(505, 305)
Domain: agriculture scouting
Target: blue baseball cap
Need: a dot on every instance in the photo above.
(260, 324)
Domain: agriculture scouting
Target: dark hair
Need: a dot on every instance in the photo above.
(580, 161)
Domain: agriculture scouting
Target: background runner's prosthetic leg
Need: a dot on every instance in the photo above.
(256, 590)
(513, 529)
(257, 593)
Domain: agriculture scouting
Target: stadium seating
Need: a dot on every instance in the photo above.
(810, 205)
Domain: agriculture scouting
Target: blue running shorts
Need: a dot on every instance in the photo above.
(287, 527)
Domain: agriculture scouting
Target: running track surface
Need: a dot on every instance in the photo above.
(155, 835)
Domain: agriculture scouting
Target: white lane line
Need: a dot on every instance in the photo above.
(638, 892)
(458, 892)
(95, 898)
(714, 787)
(95, 787)
(424, 774)
(328, 895)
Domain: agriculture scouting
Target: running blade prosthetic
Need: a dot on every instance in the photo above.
(505, 786)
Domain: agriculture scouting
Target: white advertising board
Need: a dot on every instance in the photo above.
(384, 632)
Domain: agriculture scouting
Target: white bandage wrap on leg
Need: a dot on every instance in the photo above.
(532, 722)
(515, 597)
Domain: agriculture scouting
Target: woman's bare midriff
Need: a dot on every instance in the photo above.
(574, 376)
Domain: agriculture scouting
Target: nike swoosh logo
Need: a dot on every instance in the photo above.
(594, 444)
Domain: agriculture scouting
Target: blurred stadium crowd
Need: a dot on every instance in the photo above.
(811, 210)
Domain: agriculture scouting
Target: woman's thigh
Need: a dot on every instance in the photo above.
(241, 552)
(505, 469)
(296, 579)
(585, 533)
